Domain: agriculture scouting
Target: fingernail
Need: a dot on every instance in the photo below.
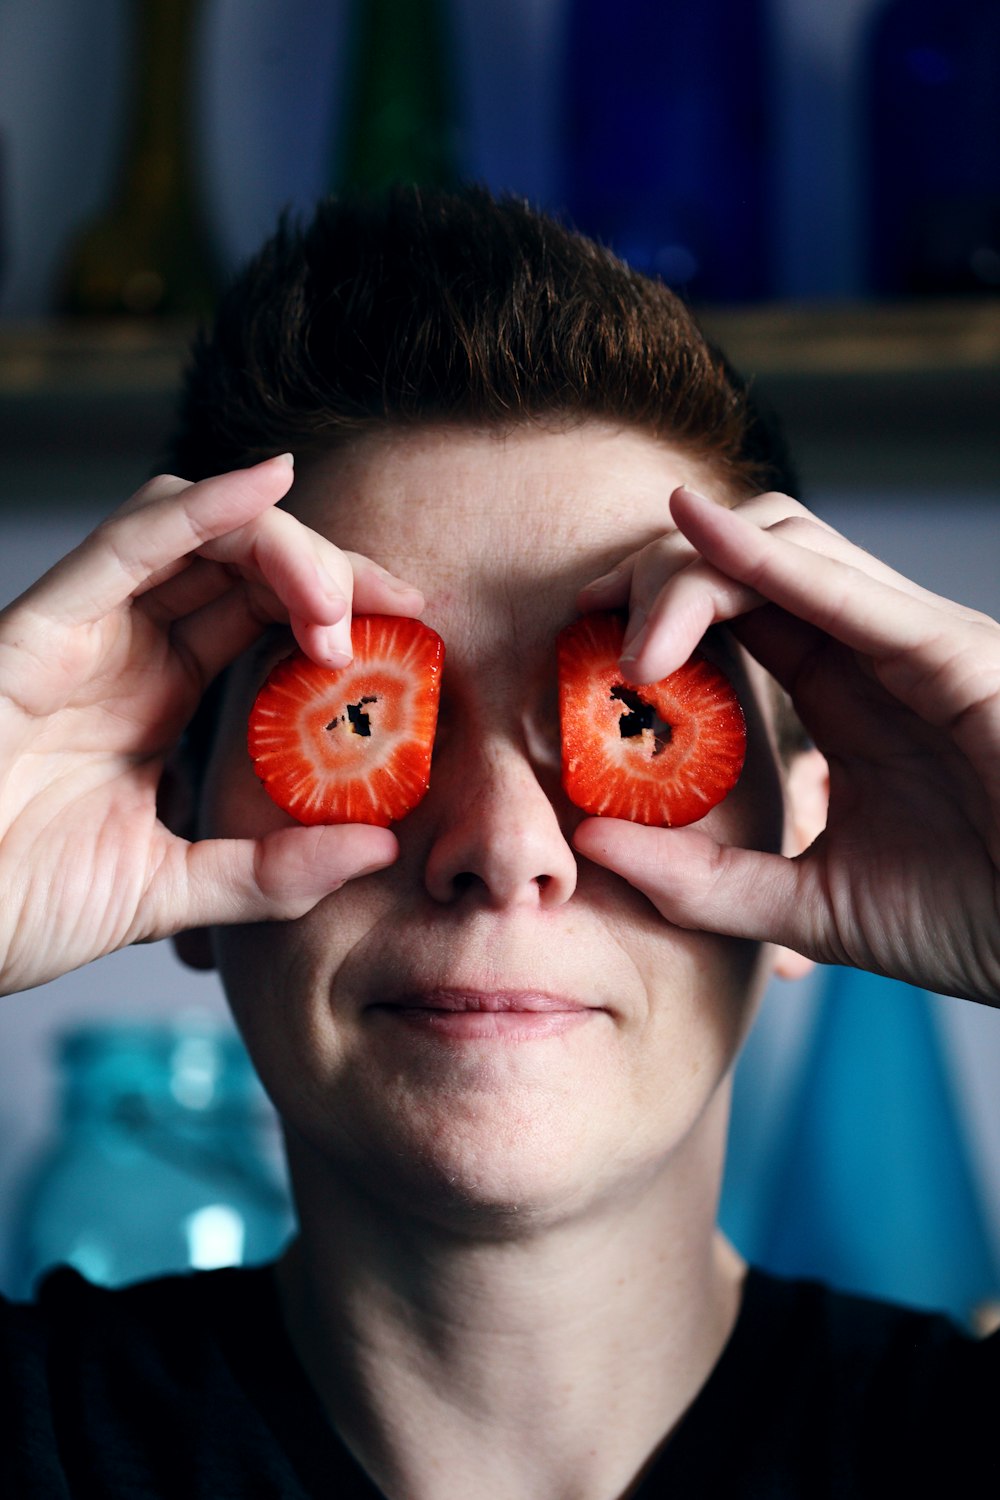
(337, 643)
(605, 583)
(398, 586)
(288, 458)
(337, 661)
(331, 591)
(627, 660)
(685, 489)
(635, 634)
(373, 869)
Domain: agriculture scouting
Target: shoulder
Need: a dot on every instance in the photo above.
(72, 1318)
(845, 1319)
(167, 1380)
(845, 1395)
(861, 1344)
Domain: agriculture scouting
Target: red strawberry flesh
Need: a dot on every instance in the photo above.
(351, 745)
(663, 753)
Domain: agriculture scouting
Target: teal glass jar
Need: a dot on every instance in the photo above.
(158, 1164)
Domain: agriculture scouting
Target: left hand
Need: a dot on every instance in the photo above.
(898, 688)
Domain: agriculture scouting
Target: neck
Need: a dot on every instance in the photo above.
(554, 1362)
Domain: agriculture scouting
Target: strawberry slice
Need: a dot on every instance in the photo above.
(352, 745)
(665, 753)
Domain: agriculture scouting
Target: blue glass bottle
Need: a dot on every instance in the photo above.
(933, 125)
(157, 1165)
(667, 148)
(873, 1187)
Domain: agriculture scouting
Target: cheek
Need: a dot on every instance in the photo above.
(695, 1029)
(689, 998)
(280, 980)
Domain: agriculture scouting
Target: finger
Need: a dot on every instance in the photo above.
(665, 626)
(638, 577)
(198, 581)
(213, 635)
(210, 638)
(379, 592)
(307, 576)
(700, 596)
(842, 589)
(938, 658)
(611, 590)
(673, 596)
(671, 551)
(700, 885)
(314, 579)
(280, 877)
(783, 645)
(187, 587)
(658, 642)
(163, 522)
(311, 582)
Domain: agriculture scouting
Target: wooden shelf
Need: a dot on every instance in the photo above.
(869, 394)
(779, 339)
(51, 361)
(860, 339)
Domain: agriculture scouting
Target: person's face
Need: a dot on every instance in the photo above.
(542, 1111)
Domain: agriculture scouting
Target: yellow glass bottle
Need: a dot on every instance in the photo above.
(149, 254)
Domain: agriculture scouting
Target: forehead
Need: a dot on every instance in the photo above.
(479, 520)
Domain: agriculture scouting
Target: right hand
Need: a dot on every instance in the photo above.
(899, 691)
(102, 664)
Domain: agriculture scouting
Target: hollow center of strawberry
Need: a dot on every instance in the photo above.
(355, 718)
(640, 717)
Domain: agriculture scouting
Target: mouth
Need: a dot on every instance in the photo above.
(485, 1015)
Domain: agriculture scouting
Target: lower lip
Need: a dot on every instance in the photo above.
(487, 1025)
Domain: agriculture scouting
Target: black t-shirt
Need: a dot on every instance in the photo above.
(188, 1387)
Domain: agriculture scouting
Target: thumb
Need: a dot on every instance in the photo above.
(701, 885)
(278, 877)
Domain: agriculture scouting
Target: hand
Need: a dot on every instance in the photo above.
(102, 664)
(898, 688)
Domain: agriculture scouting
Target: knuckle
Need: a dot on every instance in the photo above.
(160, 487)
(660, 560)
(798, 528)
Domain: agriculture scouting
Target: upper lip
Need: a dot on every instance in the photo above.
(481, 1000)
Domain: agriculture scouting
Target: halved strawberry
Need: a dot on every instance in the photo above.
(665, 753)
(352, 745)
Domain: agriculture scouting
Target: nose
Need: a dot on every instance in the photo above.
(496, 836)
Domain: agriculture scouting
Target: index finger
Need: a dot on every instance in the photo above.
(165, 521)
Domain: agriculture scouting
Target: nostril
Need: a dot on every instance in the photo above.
(543, 881)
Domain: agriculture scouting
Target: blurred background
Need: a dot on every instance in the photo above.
(823, 182)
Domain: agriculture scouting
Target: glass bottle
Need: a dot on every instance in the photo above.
(150, 253)
(873, 1187)
(158, 1164)
(400, 110)
(933, 128)
(667, 151)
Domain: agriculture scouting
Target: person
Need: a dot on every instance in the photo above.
(499, 1035)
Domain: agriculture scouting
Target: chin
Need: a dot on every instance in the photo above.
(488, 1169)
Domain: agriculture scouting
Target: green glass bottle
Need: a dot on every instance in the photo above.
(157, 1163)
(149, 254)
(399, 124)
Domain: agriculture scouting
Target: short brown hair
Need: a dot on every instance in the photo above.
(419, 307)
